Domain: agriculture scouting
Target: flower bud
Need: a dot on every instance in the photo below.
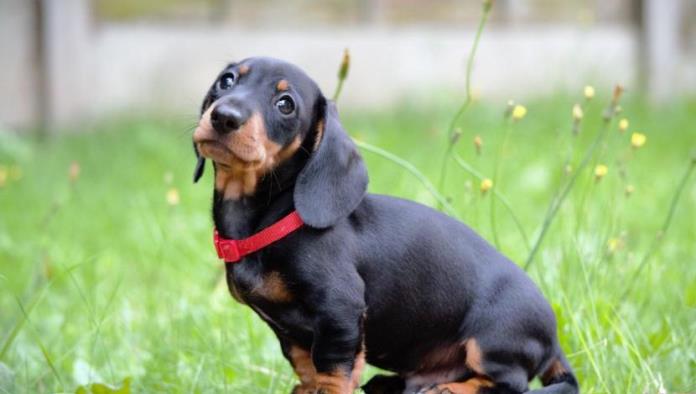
(600, 171)
(518, 112)
(589, 92)
(478, 144)
(486, 185)
(345, 65)
(577, 113)
(173, 197)
(74, 171)
(623, 125)
(638, 140)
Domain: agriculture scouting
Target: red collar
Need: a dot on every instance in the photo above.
(233, 250)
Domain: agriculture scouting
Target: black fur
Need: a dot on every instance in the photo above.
(395, 277)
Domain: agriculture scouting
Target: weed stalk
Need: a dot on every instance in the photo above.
(451, 142)
(557, 202)
(657, 241)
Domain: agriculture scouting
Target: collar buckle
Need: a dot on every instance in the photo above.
(233, 250)
(227, 249)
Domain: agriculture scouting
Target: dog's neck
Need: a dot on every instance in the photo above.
(273, 198)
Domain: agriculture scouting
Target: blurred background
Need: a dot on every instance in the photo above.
(67, 60)
(108, 276)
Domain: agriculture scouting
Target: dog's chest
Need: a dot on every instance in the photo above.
(268, 293)
(249, 282)
(242, 278)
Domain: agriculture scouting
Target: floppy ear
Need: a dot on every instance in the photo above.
(200, 165)
(334, 180)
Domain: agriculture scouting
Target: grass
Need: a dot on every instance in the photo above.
(103, 280)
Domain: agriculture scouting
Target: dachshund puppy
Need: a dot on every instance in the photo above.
(344, 277)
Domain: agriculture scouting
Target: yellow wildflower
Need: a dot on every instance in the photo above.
(614, 244)
(173, 196)
(600, 171)
(638, 140)
(478, 144)
(486, 185)
(15, 172)
(3, 175)
(589, 92)
(623, 125)
(577, 112)
(518, 112)
(629, 190)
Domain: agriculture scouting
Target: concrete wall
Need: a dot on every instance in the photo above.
(96, 69)
(18, 101)
(172, 67)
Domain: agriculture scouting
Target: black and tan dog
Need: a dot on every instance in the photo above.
(366, 278)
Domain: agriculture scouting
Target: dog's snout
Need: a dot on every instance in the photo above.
(226, 118)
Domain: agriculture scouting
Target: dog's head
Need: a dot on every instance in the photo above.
(261, 113)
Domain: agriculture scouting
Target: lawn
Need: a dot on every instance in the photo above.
(108, 274)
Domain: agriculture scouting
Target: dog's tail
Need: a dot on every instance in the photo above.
(558, 378)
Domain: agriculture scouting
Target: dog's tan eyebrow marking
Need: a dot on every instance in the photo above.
(243, 69)
(282, 85)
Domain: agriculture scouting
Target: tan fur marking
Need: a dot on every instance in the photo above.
(554, 370)
(443, 358)
(273, 288)
(320, 135)
(473, 356)
(243, 69)
(240, 157)
(471, 386)
(304, 369)
(312, 382)
(282, 85)
(334, 383)
(358, 368)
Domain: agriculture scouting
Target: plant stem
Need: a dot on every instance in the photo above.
(442, 202)
(462, 109)
(556, 203)
(410, 168)
(342, 74)
(654, 246)
(339, 88)
(466, 167)
(496, 176)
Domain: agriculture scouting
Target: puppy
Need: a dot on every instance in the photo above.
(344, 277)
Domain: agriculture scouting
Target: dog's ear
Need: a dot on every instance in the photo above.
(334, 180)
(200, 165)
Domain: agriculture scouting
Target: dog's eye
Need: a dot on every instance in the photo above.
(226, 81)
(285, 105)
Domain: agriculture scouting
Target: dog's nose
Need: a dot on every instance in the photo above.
(226, 118)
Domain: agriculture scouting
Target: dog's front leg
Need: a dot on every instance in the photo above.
(337, 350)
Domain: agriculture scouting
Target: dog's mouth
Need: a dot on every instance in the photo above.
(215, 151)
(235, 155)
(243, 148)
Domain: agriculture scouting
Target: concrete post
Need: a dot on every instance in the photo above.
(661, 47)
(68, 54)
